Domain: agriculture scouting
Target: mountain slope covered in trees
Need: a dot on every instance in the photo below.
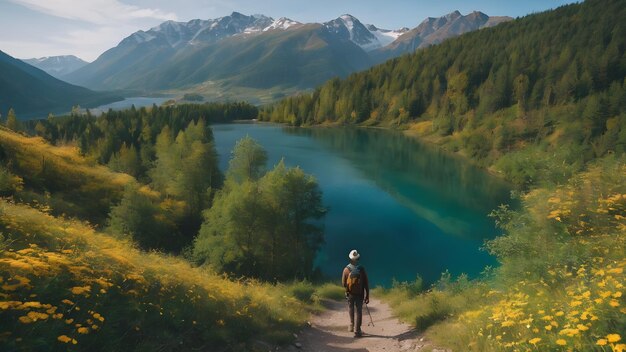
(32, 92)
(550, 80)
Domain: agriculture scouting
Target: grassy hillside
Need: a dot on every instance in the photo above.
(65, 285)
(60, 178)
(32, 92)
(561, 283)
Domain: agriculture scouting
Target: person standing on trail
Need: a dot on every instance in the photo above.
(354, 280)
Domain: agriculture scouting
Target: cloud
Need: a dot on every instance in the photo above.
(89, 43)
(85, 28)
(100, 12)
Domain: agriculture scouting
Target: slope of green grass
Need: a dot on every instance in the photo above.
(64, 284)
(59, 177)
(561, 285)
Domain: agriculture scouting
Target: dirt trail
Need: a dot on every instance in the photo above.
(329, 332)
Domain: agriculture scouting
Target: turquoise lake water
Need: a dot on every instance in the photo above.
(406, 207)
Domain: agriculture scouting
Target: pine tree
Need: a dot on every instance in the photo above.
(12, 122)
(248, 161)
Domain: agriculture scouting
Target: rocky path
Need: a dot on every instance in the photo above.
(329, 332)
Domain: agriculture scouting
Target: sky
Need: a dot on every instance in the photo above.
(87, 28)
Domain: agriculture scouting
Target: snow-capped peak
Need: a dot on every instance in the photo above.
(348, 27)
(141, 36)
(350, 21)
(386, 36)
(57, 65)
(281, 23)
(368, 37)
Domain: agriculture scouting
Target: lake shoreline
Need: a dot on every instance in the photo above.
(421, 211)
(427, 140)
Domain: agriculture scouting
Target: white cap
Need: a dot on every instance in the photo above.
(354, 255)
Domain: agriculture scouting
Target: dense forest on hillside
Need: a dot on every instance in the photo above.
(553, 80)
(121, 134)
(170, 151)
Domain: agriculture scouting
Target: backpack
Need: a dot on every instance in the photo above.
(354, 285)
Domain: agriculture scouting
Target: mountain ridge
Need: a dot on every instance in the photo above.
(434, 30)
(57, 66)
(348, 44)
(31, 91)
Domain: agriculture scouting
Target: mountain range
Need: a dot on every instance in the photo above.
(57, 66)
(260, 52)
(33, 92)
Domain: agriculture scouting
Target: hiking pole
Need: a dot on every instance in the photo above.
(370, 314)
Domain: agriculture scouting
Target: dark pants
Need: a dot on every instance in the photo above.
(358, 302)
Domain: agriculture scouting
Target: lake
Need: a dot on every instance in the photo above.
(406, 207)
(128, 102)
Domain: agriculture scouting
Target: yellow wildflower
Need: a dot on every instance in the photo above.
(569, 332)
(601, 342)
(613, 337)
(30, 305)
(34, 316)
(582, 327)
(83, 330)
(561, 342)
(534, 341)
(77, 290)
(25, 320)
(64, 339)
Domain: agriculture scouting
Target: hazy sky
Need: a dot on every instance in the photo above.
(86, 28)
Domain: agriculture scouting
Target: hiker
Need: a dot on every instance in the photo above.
(354, 279)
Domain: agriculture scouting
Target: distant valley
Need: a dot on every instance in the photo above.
(236, 57)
